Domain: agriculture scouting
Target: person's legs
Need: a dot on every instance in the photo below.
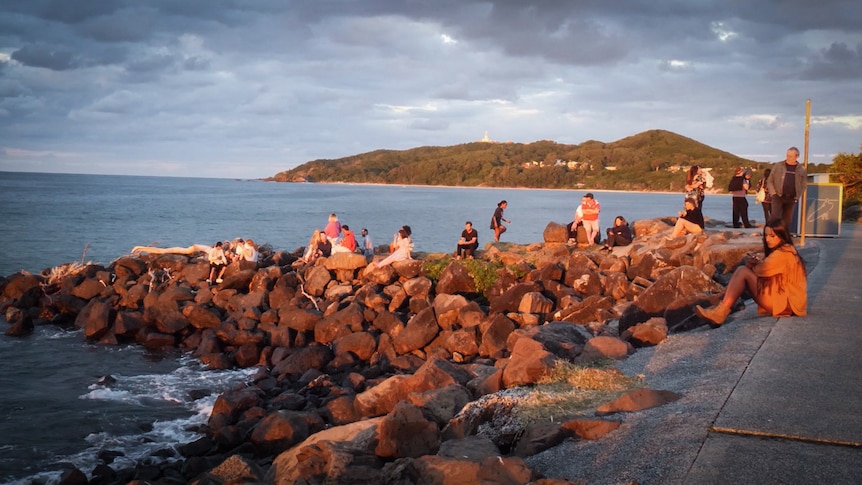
(777, 208)
(743, 279)
(787, 212)
(737, 212)
(743, 209)
(767, 210)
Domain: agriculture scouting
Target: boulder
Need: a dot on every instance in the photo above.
(95, 319)
(529, 363)
(419, 331)
(647, 334)
(406, 433)
(455, 279)
(555, 233)
(280, 430)
(316, 280)
(637, 400)
(302, 359)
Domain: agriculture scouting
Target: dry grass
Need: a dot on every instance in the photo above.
(573, 390)
(59, 273)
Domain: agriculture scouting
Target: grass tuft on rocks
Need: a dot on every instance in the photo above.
(573, 390)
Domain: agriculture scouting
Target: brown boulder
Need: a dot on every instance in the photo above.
(671, 292)
(302, 359)
(201, 317)
(455, 279)
(535, 302)
(590, 429)
(637, 400)
(510, 300)
(604, 347)
(361, 344)
(419, 331)
(280, 430)
(341, 323)
(592, 309)
(88, 289)
(555, 233)
(298, 319)
(405, 432)
(529, 363)
(652, 332)
(495, 336)
(418, 286)
(95, 319)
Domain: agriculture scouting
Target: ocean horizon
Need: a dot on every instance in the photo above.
(53, 219)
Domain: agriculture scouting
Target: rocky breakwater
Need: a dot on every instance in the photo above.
(399, 374)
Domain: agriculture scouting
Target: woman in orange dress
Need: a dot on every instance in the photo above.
(778, 282)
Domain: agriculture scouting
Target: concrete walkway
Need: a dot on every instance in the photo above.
(796, 414)
(764, 400)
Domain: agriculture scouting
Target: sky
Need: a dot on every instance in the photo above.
(246, 89)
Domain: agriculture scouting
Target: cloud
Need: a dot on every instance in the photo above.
(251, 86)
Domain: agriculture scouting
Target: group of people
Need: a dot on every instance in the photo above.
(334, 238)
(777, 281)
(219, 255)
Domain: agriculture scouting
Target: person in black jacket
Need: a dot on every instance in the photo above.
(618, 235)
(690, 220)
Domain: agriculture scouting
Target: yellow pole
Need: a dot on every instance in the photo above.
(805, 164)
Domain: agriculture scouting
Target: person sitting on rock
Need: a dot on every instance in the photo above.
(333, 229)
(777, 283)
(324, 246)
(347, 243)
(402, 244)
(218, 263)
(468, 243)
(311, 250)
(690, 220)
(618, 235)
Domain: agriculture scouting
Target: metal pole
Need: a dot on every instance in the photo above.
(805, 164)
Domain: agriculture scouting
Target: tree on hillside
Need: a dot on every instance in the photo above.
(847, 169)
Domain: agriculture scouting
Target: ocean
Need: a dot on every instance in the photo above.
(52, 411)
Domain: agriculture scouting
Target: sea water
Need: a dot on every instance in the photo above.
(53, 412)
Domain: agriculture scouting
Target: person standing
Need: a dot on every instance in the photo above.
(588, 214)
(468, 243)
(695, 185)
(787, 182)
(767, 199)
(497, 220)
(738, 188)
(367, 245)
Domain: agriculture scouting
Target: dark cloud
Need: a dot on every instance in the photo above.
(838, 62)
(54, 58)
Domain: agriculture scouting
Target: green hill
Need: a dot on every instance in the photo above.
(652, 160)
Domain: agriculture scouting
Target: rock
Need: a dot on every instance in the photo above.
(316, 280)
(637, 400)
(538, 437)
(652, 332)
(442, 404)
(95, 319)
(455, 279)
(591, 309)
(590, 429)
(495, 336)
(419, 331)
(236, 469)
(673, 291)
(418, 286)
(280, 430)
(302, 359)
(361, 344)
(473, 448)
(555, 233)
(604, 347)
(201, 317)
(510, 300)
(535, 302)
(298, 319)
(529, 363)
(405, 432)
